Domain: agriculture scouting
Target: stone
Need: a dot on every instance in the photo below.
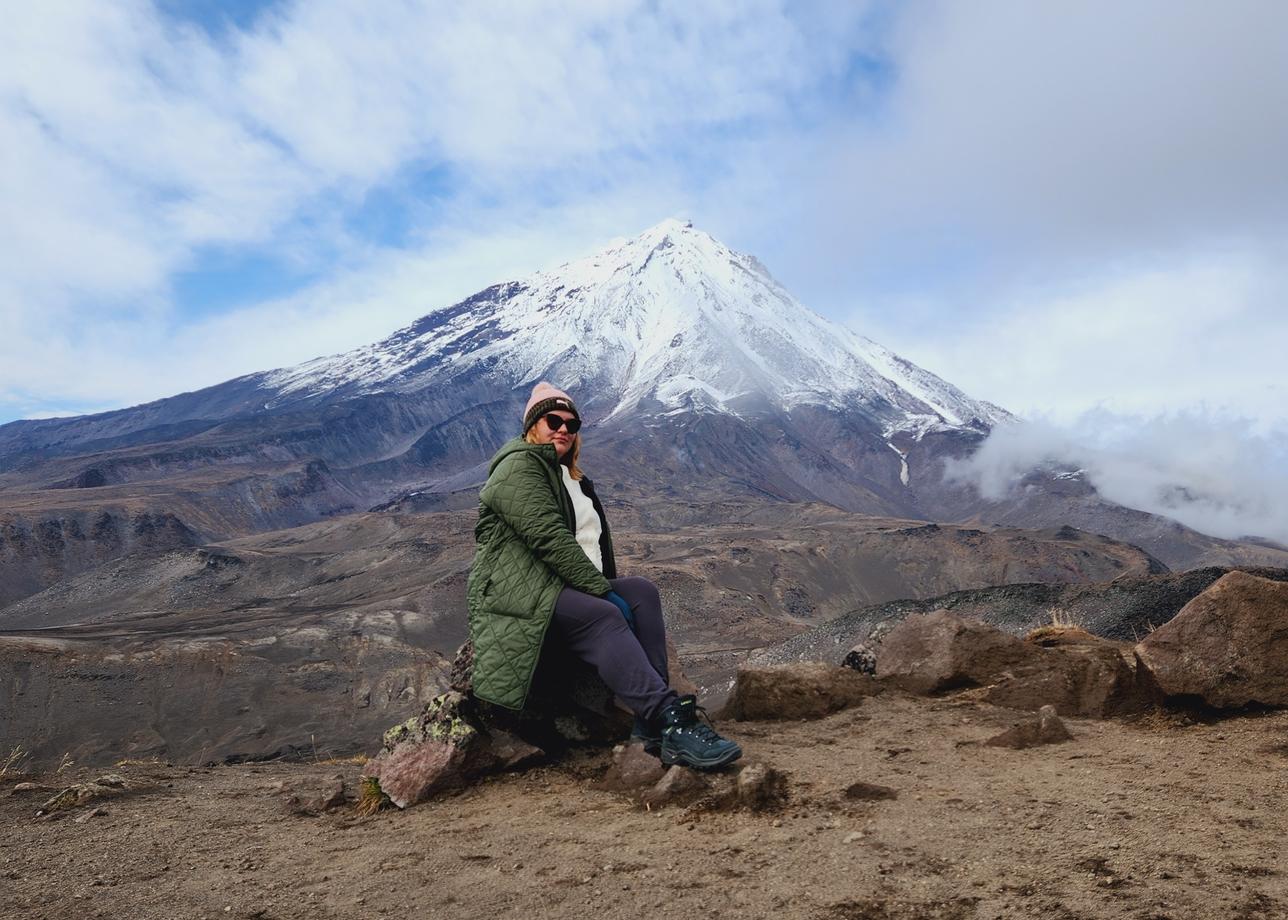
(759, 786)
(1227, 647)
(446, 747)
(678, 786)
(633, 768)
(940, 651)
(457, 738)
(1083, 676)
(870, 792)
(1076, 672)
(804, 690)
(1044, 728)
(567, 703)
(861, 658)
(105, 786)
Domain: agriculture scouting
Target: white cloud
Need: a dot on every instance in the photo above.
(1043, 137)
(1200, 330)
(1220, 474)
(135, 143)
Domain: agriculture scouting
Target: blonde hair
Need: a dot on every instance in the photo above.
(569, 459)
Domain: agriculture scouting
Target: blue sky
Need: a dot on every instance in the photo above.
(1070, 209)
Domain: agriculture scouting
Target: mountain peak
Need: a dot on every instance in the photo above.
(668, 321)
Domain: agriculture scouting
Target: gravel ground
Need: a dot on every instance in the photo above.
(1162, 818)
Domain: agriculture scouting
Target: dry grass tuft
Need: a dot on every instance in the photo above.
(142, 762)
(11, 765)
(358, 759)
(371, 798)
(1053, 634)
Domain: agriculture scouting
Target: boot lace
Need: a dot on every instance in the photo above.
(705, 733)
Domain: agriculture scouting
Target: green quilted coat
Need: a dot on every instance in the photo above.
(526, 555)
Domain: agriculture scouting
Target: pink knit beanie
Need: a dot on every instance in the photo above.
(544, 398)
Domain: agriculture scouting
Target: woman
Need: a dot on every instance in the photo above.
(545, 562)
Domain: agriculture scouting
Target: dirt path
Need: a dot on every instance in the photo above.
(1147, 821)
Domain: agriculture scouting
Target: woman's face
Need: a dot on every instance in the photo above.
(560, 438)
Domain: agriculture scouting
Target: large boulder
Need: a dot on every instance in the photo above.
(445, 747)
(458, 738)
(1227, 647)
(940, 651)
(808, 690)
(1077, 673)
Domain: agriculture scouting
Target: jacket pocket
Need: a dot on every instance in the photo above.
(514, 583)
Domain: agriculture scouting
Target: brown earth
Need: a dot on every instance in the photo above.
(1161, 818)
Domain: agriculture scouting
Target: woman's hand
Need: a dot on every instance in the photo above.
(620, 602)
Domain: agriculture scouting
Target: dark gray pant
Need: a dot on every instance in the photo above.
(633, 667)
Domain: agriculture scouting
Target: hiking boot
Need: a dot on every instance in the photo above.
(650, 737)
(687, 741)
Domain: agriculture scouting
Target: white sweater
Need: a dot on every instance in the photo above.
(588, 528)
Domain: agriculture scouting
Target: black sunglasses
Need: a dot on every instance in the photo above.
(558, 421)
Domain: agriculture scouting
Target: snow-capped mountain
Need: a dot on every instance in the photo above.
(670, 321)
(707, 388)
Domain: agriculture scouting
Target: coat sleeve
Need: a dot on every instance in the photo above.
(520, 494)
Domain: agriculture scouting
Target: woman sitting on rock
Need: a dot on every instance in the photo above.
(544, 560)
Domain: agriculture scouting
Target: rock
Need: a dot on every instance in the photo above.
(447, 746)
(1083, 676)
(334, 796)
(870, 792)
(939, 651)
(1227, 647)
(1045, 728)
(29, 787)
(633, 768)
(759, 786)
(861, 658)
(1078, 673)
(678, 786)
(806, 690)
(80, 793)
(567, 703)
(458, 738)
(330, 795)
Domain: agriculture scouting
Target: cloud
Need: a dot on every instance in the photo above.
(1222, 475)
(139, 146)
(1193, 330)
(1041, 138)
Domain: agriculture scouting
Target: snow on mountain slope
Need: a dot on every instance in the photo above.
(669, 321)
